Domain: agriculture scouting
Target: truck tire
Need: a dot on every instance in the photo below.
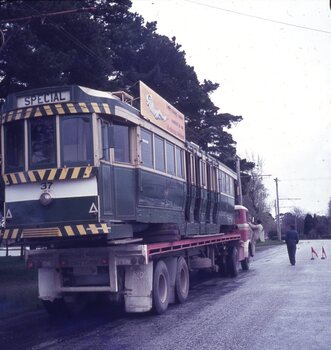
(182, 281)
(232, 262)
(223, 268)
(161, 288)
(56, 308)
(245, 263)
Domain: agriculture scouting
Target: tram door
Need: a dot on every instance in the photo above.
(106, 175)
(118, 173)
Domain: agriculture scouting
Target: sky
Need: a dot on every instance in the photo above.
(272, 60)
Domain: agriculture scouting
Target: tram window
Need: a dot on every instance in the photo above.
(223, 182)
(219, 175)
(76, 140)
(213, 179)
(203, 173)
(159, 153)
(192, 165)
(14, 146)
(227, 184)
(42, 142)
(179, 162)
(146, 148)
(209, 177)
(105, 139)
(122, 143)
(170, 148)
(231, 187)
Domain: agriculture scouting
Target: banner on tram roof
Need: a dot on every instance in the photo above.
(158, 111)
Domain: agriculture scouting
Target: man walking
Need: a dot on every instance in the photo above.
(292, 239)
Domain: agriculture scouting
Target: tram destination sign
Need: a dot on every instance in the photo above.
(43, 98)
(158, 111)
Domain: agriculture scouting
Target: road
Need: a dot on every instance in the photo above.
(272, 306)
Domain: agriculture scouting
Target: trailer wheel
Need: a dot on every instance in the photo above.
(56, 308)
(182, 281)
(75, 304)
(161, 287)
(245, 264)
(223, 268)
(232, 262)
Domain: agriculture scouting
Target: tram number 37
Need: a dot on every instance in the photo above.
(46, 185)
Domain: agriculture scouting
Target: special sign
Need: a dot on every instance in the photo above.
(44, 98)
(160, 112)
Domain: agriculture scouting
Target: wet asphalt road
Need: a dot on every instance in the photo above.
(272, 306)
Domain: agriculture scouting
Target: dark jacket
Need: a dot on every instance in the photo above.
(292, 237)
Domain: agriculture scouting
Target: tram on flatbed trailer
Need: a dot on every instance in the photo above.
(102, 192)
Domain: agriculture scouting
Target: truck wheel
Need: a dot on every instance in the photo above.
(182, 281)
(223, 268)
(232, 262)
(56, 308)
(251, 249)
(161, 287)
(75, 304)
(245, 264)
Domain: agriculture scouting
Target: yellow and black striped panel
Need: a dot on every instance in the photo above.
(58, 109)
(51, 232)
(49, 175)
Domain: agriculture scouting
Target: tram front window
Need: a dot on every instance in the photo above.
(76, 140)
(42, 143)
(14, 146)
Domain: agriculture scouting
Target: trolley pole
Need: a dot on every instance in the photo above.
(279, 234)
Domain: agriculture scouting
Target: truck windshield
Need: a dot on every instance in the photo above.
(76, 140)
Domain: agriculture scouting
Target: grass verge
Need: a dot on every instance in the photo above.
(18, 287)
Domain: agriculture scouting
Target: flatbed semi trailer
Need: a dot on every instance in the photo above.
(139, 276)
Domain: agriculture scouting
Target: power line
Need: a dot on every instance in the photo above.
(258, 17)
(307, 179)
(44, 15)
(69, 35)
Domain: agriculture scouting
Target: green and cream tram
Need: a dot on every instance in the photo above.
(82, 165)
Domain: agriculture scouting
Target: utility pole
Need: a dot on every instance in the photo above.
(240, 194)
(279, 234)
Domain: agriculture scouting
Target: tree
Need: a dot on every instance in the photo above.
(299, 219)
(255, 193)
(109, 48)
(308, 223)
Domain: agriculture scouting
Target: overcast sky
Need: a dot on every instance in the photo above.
(272, 60)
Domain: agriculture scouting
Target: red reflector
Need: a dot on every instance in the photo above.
(104, 261)
(29, 264)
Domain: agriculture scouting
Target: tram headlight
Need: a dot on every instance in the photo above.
(45, 198)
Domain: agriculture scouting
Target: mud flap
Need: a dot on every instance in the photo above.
(138, 288)
(49, 284)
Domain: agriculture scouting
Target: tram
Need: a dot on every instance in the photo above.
(83, 166)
